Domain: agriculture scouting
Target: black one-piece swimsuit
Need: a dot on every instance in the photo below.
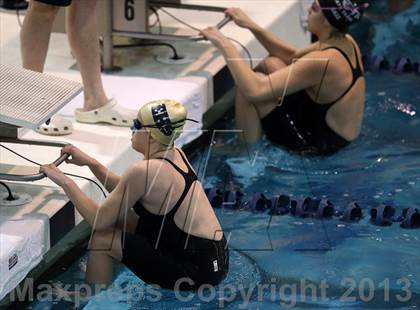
(299, 124)
(159, 252)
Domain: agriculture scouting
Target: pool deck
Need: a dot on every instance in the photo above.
(208, 71)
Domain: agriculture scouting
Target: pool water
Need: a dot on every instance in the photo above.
(381, 167)
(390, 31)
(283, 261)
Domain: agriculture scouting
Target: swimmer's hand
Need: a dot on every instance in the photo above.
(214, 36)
(240, 18)
(54, 174)
(77, 157)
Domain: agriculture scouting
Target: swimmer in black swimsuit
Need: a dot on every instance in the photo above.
(307, 100)
(168, 253)
(157, 219)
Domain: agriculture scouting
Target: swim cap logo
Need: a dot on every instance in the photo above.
(347, 9)
(335, 12)
(162, 120)
(350, 11)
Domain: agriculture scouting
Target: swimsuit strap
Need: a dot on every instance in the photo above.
(356, 72)
(188, 176)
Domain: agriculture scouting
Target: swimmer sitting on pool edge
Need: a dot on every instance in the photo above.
(308, 100)
(171, 237)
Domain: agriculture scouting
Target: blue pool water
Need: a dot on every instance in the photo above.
(390, 30)
(275, 259)
(382, 166)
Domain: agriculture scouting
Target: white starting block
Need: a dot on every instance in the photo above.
(28, 99)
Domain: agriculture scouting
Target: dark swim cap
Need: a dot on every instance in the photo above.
(343, 13)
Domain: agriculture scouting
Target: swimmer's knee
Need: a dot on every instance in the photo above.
(102, 240)
(269, 65)
(46, 10)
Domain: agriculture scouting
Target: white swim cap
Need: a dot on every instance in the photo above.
(164, 119)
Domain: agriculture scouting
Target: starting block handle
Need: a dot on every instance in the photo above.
(37, 176)
(169, 37)
(219, 26)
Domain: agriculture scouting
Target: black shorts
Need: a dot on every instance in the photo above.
(203, 262)
(56, 2)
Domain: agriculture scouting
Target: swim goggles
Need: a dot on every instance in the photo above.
(137, 125)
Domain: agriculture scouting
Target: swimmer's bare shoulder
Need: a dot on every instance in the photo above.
(325, 59)
(315, 62)
(138, 171)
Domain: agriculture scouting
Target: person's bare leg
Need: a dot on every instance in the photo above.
(104, 248)
(82, 32)
(35, 34)
(247, 115)
(247, 119)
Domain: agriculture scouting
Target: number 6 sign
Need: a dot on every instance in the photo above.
(130, 15)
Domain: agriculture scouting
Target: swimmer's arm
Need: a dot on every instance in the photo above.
(84, 205)
(104, 175)
(304, 51)
(125, 194)
(302, 74)
(273, 44)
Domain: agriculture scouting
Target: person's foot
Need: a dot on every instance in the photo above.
(111, 113)
(95, 102)
(57, 126)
